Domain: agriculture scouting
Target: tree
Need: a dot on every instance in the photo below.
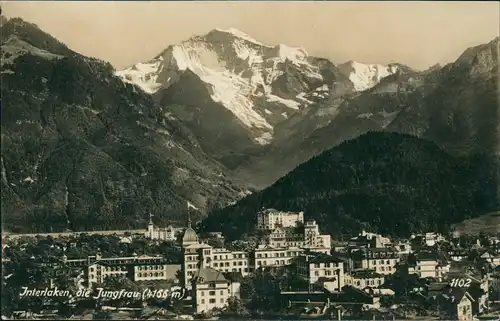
(235, 308)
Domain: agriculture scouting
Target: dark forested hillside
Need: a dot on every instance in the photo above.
(82, 150)
(386, 182)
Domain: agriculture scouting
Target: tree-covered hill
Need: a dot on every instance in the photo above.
(82, 150)
(385, 182)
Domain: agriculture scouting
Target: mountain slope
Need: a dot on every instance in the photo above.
(390, 183)
(82, 150)
(250, 88)
(462, 111)
(456, 106)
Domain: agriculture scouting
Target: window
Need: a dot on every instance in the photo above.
(328, 272)
(388, 262)
(221, 300)
(316, 273)
(211, 293)
(211, 300)
(202, 301)
(221, 292)
(202, 293)
(327, 265)
(316, 265)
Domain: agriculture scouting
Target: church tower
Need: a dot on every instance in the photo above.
(151, 227)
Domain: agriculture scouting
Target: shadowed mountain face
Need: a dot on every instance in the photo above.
(258, 95)
(85, 149)
(385, 182)
(262, 110)
(461, 111)
(456, 106)
(82, 150)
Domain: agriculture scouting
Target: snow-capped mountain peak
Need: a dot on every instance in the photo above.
(260, 85)
(366, 76)
(239, 34)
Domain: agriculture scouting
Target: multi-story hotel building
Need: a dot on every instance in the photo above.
(269, 219)
(267, 256)
(200, 255)
(428, 265)
(210, 290)
(136, 268)
(279, 251)
(381, 260)
(364, 278)
(321, 268)
(310, 238)
(168, 233)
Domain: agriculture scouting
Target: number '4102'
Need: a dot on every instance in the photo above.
(460, 283)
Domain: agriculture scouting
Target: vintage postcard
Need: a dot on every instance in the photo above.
(286, 160)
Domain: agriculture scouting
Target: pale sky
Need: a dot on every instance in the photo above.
(418, 34)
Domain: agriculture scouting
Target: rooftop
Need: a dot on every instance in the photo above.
(321, 258)
(205, 275)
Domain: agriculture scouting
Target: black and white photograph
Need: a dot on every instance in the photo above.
(250, 160)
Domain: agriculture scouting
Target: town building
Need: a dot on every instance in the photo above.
(267, 256)
(456, 305)
(136, 268)
(269, 219)
(364, 278)
(273, 254)
(198, 255)
(210, 290)
(168, 233)
(381, 259)
(323, 269)
(307, 236)
(428, 265)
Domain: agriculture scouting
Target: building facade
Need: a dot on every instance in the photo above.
(321, 268)
(136, 268)
(269, 219)
(307, 236)
(364, 278)
(168, 233)
(381, 260)
(427, 265)
(210, 290)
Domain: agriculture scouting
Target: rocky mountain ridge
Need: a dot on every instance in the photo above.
(83, 150)
(261, 86)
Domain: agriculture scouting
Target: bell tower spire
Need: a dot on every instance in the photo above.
(151, 227)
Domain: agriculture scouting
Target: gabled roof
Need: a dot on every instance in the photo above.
(455, 295)
(315, 257)
(205, 275)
